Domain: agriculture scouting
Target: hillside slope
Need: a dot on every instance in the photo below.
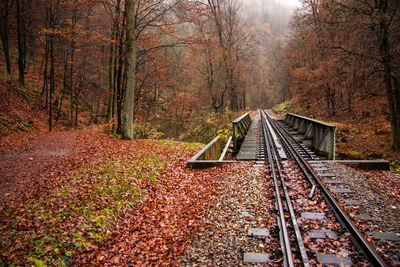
(21, 108)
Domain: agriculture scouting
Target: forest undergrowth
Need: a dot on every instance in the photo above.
(23, 110)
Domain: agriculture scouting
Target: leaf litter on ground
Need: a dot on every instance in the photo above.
(104, 201)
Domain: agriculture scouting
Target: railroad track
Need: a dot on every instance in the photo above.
(313, 195)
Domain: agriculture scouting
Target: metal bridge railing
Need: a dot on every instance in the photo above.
(321, 134)
(240, 127)
(211, 155)
(211, 151)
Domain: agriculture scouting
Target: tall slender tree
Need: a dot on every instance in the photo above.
(21, 32)
(72, 60)
(112, 61)
(5, 8)
(225, 16)
(52, 65)
(129, 95)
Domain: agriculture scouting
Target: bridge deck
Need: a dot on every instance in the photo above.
(249, 148)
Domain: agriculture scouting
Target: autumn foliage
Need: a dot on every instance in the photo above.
(343, 60)
(193, 58)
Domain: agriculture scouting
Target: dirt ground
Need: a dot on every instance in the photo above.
(30, 157)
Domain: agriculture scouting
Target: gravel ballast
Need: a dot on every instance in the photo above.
(374, 206)
(376, 199)
(243, 202)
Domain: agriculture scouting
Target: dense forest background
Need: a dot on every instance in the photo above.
(200, 64)
(342, 64)
(193, 59)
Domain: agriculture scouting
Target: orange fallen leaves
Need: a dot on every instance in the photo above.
(154, 230)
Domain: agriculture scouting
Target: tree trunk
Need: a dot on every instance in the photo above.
(393, 108)
(393, 94)
(234, 100)
(129, 96)
(76, 102)
(91, 111)
(21, 41)
(119, 81)
(52, 81)
(64, 87)
(119, 94)
(111, 62)
(396, 129)
(71, 69)
(45, 89)
(226, 26)
(25, 6)
(76, 107)
(31, 36)
(349, 100)
(4, 33)
(78, 89)
(244, 99)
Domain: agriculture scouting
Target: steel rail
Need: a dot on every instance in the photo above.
(297, 142)
(357, 238)
(285, 242)
(296, 228)
(284, 139)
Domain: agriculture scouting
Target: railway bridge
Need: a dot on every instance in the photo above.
(296, 153)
